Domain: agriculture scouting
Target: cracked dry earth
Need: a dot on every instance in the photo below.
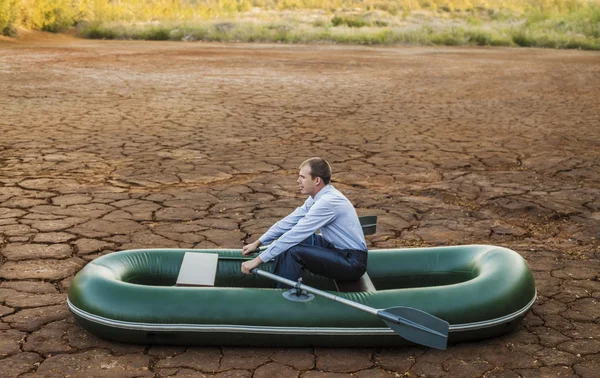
(108, 146)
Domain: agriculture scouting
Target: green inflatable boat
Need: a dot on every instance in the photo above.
(130, 296)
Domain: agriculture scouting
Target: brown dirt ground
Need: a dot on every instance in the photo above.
(109, 145)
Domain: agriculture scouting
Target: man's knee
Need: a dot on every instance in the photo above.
(292, 255)
(296, 253)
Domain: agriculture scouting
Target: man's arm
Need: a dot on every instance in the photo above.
(319, 215)
(279, 228)
(286, 223)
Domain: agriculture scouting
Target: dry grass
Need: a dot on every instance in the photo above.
(531, 23)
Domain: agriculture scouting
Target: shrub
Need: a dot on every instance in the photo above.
(478, 37)
(582, 44)
(197, 34)
(522, 38)
(156, 33)
(49, 15)
(446, 39)
(224, 27)
(501, 41)
(96, 31)
(320, 23)
(8, 16)
(350, 21)
(177, 35)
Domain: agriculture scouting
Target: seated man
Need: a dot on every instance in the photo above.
(340, 252)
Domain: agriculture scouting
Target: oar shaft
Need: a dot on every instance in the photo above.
(325, 294)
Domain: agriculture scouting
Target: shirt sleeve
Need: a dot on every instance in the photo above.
(319, 215)
(286, 223)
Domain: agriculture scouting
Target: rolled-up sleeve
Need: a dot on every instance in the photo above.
(319, 215)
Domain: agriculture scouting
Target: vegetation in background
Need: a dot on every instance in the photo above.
(8, 16)
(48, 15)
(536, 23)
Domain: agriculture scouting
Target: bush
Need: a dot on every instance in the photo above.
(522, 38)
(157, 33)
(479, 38)
(177, 35)
(48, 15)
(501, 41)
(350, 21)
(96, 31)
(582, 44)
(320, 23)
(450, 37)
(447, 39)
(197, 34)
(9, 10)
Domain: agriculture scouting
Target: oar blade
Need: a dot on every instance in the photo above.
(417, 326)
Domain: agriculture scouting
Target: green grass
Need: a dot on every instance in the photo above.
(578, 29)
(451, 34)
(547, 39)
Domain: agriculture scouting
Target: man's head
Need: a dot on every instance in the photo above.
(314, 174)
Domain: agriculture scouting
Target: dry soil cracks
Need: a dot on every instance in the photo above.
(117, 145)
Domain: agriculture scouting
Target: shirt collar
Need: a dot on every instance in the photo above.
(325, 189)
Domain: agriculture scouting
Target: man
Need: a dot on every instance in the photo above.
(340, 252)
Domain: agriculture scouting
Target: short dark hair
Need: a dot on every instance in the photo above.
(319, 167)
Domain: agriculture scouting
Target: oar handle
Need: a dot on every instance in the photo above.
(259, 250)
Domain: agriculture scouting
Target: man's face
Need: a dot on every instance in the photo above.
(306, 183)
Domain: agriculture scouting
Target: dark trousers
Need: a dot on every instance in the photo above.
(322, 258)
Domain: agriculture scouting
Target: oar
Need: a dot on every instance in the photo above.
(412, 324)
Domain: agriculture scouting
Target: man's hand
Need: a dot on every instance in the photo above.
(249, 249)
(247, 266)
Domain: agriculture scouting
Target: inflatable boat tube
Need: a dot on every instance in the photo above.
(482, 291)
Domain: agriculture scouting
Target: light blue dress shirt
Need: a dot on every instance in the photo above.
(330, 211)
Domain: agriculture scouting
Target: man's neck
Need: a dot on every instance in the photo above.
(314, 195)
